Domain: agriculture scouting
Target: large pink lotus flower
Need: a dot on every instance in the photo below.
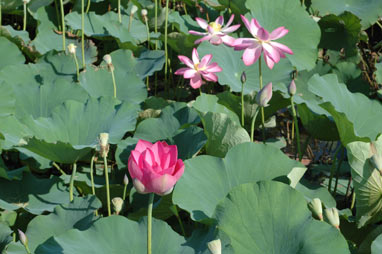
(262, 41)
(198, 69)
(155, 168)
(215, 32)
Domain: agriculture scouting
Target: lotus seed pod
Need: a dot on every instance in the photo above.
(264, 95)
(292, 88)
(144, 12)
(125, 180)
(26, 1)
(315, 206)
(332, 217)
(243, 77)
(107, 59)
(215, 246)
(104, 144)
(117, 204)
(133, 10)
(138, 185)
(23, 238)
(72, 48)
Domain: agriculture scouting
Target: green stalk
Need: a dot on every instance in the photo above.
(156, 21)
(27, 249)
(57, 15)
(149, 221)
(1, 17)
(352, 201)
(25, 17)
(119, 11)
(253, 124)
(71, 184)
(58, 168)
(130, 21)
(77, 67)
(262, 108)
(63, 25)
(338, 169)
(92, 178)
(148, 32)
(114, 84)
(333, 168)
(124, 192)
(83, 33)
(242, 104)
(107, 185)
(174, 209)
(165, 44)
(296, 127)
(88, 6)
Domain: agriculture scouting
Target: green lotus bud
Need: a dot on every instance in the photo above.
(243, 77)
(332, 217)
(315, 206)
(215, 246)
(125, 180)
(133, 10)
(72, 48)
(144, 12)
(264, 95)
(117, 204)
(23, 238)
(104, 144)
(107, 59)
(292, 88)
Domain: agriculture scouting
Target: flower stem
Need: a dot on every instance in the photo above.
(130, 21)
(242, 104)
(63, 25)
(124, 192)
(148, 32)
(262, 108)
(58, 168)
(88, 6)
(156, 21)
(25, 17)
(119, 11)
(58, 15)
(77, 67)
(333, 168)
(92, 178)
(114, 84)
(165, 45)
(296, 127)
(83, 33)
(27, 249)
(338, 169)
(71, 184)
(253, 124)
(149, 221)
(107, 185)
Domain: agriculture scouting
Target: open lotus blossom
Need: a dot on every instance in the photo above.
(155, 168)
(197, 69)
(262, 41)
(215, 32)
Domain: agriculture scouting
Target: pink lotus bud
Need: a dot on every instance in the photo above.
(23, 238)
(264, 95)
(155, 168)
(243, 77)
(125, 180)
(292, 88)
(215, 246)
(332, 217)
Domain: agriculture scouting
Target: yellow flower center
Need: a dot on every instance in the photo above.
(196, 66)
(215, 26)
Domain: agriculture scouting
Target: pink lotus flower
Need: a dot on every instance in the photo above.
(198, 69)
(215, 32)
(262, 41)
(155, 168)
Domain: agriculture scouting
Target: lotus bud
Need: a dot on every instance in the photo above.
(264, 95)
(125, 180)
(332, 217)
(133, 10)
(243, 77)
(117, 204)
(215, 246)
(292, 88)
(104, 144)
(72, 48)
(23, 238)
(138, 185)
(107, 59)
(26, 1)
(315, 206)
(144, 14)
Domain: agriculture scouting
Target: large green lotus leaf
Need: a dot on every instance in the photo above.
(311, 190)
(378, 72)
(222, 133)
(5, 236)
(10, 53)
(271, 217)
(14, 132)
(230, 61)
(149, 62)
(342, 31)
(367, 182)
(376, 246)
(209, 103)
(78, 214)
(107, 25)
(367, 10)
(304, 33)
(74, 127)
(33, 194)
(98, 81)
(237, 6)
(350, 74)
(209, 178)
(356, 116)
(7, 100)
(11, 174)
(183, 23)
(20, 38)
(116, 234)
(180, 42)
